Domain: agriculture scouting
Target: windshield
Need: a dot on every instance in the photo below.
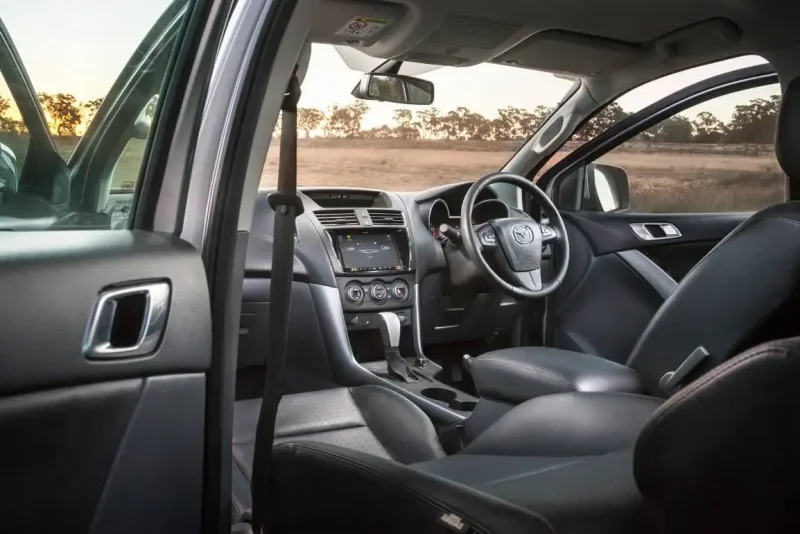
(480, 116)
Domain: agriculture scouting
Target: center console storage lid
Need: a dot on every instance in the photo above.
(516, 375)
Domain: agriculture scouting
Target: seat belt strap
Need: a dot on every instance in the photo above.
(287, 207)
(673, 380)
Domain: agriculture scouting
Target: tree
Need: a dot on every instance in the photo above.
(309, 119)
(676, 129)
(754, 122)
(63, 112)
(606, 118)
(90, 108)
(345, 121)
(430, 123)
(708, 128)
(7, 124)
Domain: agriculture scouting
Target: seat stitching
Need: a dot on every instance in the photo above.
(312, 433)
(534, 472)
(529, 367)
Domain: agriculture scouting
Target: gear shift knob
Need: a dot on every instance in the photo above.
(389, 325)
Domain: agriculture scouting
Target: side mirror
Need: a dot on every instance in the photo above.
(394, 88)
(141, 128)
(607, 188)
(9, 177)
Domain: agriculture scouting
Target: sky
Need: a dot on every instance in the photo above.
(80, 46)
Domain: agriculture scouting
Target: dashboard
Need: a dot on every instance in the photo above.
(372, 251)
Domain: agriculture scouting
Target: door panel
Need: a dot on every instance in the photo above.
(99, 443)
(616, 282)
(612, 232)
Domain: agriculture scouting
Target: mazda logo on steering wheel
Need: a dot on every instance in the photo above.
(523, 234)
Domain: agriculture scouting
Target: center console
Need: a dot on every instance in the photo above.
(370, 243)
(370, 252)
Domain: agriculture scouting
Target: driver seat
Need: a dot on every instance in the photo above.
(736, 297)
(723, 455)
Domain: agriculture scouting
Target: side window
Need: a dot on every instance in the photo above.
(93, 115)
(717, 156)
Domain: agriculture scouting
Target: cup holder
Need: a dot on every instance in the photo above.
(449, 397)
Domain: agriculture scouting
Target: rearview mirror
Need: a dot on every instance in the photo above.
(394, 88)
(607, 188)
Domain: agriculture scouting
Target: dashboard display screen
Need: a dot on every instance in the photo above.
(368, 252)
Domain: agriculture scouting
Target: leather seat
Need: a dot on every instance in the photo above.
(702, 312)
(532, 442)
(720, 456)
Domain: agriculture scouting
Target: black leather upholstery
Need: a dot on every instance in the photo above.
(734, 291)
(323, 488)
(787, 137)
(372, 419)
(576, 495)
(723, 454)
(518, 374)
(722, 309)
(567, 424)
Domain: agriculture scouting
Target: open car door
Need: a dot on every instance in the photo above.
(105, 320)
(643, 209)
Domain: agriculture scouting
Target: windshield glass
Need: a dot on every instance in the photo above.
(480, 116)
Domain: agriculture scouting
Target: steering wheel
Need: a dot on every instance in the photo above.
(515, 243)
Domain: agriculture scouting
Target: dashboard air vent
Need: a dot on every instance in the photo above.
(337, 217)
(386, 217)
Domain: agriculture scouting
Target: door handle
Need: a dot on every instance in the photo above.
(655, 231)
(127, 322)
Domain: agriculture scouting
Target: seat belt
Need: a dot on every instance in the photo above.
(287, 207)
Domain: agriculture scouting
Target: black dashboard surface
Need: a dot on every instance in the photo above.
(313, 263)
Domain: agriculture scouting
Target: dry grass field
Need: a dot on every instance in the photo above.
(664, 178)
(677, 178)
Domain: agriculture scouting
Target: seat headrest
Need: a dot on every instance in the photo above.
(723, 454)
(787, 136)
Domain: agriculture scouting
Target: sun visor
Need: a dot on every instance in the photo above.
(571, 53)
(342, 22)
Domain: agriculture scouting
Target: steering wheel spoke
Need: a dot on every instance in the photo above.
(530, 280)
(486, 236)
(548, 233)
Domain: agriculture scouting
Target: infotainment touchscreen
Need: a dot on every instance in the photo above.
(368, 252)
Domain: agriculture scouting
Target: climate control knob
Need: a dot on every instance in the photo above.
(400, 290)
(377, 291)
(354, 292)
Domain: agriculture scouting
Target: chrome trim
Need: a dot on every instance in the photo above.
(97, 338)
(389, 325)
(416, 328)
(643, 233)
(430, 210)
(446, 327)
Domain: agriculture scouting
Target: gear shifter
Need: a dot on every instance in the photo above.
(396, 365)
